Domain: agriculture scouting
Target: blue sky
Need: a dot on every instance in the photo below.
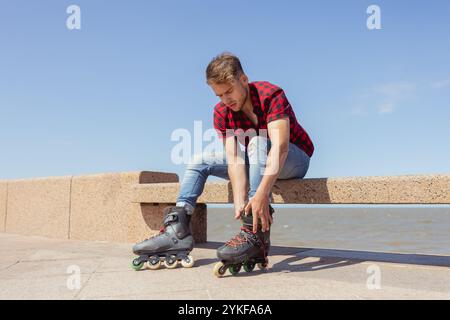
(106, 98)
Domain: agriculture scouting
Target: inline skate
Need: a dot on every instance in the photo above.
(246, 249)
(171, 245)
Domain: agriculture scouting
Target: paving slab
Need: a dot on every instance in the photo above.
(34, 267)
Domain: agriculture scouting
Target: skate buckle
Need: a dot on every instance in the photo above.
(170, 218)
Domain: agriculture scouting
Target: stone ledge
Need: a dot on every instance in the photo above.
(127, 207)
(409, 189)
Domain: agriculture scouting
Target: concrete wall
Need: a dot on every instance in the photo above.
(101, 209)
(128, 207)
(39, 207)
(3, 203)
(93, 207)
(101, 206)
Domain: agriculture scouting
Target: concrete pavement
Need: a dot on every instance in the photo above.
(42, 268)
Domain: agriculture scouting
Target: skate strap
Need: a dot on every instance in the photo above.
(170, 218)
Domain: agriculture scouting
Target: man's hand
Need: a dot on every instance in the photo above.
(259, 206)
(237, 211)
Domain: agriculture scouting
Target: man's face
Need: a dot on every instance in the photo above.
(232, 94)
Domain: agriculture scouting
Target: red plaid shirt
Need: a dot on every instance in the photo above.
(269, 104)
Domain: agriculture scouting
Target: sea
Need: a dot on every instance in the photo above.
(411, 229)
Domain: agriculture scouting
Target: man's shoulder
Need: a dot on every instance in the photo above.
(265, 86)
(266, 92)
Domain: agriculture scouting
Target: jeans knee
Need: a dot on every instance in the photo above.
(204, 161)
(197, 162)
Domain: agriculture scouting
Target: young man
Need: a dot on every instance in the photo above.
(258, 118)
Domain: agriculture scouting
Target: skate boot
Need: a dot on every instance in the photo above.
(172, 244)
(246, 249)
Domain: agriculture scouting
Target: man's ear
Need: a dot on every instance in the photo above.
(244, 79)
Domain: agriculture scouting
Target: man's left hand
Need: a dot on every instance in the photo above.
(259, 206)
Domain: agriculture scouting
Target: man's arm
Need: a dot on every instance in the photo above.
(279, 138)
(237, 174)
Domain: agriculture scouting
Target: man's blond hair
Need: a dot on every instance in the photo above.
(224, 68)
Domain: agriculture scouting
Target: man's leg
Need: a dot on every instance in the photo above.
(257, 151)
(247, 249)
(195, 177)
(295, 166)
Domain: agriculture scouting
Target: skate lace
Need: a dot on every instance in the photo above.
(241, 238)
(161, 231)
(238, 239)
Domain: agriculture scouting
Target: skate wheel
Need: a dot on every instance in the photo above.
(235, 268)
(187, 262)
(154, 264)
(136, 264)
(219, 269)
(171, 262)
(248, 267)
(264, 265)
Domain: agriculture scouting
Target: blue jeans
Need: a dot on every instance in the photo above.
(215, 164)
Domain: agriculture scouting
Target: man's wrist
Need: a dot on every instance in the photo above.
(240, 207)
(262, 193)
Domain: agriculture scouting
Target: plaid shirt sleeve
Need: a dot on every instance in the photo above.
(278, 106)
(220, 122)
